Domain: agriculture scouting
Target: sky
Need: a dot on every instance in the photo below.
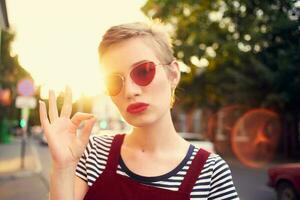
(57, 40)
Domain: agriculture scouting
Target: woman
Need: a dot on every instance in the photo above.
(151, 162)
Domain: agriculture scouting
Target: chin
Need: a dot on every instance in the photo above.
(140, 120)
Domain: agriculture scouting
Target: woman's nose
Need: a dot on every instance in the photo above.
(131, 89)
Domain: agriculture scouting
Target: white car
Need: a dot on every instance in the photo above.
(198, 141)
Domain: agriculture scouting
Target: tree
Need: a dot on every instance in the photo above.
(239, 51)
(10, 73)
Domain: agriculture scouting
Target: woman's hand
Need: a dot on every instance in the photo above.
(65, 147)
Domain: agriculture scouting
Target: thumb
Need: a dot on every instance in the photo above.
(86, 130)
(79, 117)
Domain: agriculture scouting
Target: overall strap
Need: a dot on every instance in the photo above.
(194, 171)
(114, 153)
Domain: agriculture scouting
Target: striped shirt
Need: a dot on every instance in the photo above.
(214, 181)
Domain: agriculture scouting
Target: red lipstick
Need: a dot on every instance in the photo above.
(137, 107)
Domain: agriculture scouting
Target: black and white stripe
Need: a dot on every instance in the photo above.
(214, 182)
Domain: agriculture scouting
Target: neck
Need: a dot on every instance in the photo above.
(160, 135)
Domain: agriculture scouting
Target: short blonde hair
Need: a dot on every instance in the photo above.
(154, 33)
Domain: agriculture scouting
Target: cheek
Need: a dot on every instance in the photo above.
(160, 91)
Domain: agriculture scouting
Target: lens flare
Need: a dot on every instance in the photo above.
(255, 137)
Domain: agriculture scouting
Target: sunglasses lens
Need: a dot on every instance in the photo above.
(143, 74)
(113, 84)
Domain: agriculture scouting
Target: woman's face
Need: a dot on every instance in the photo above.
(155, 97)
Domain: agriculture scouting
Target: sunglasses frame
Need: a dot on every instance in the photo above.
(134, 66)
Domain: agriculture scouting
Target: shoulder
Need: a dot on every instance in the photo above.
(213, 164)
(215, 168)
(213, 161)
(101, 141)
(215, 179)
(98, 148)
(220, 167)
(217, 161)
(94, 159)
(221, 181)
(98, 145)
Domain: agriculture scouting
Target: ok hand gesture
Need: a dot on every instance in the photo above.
(60, 132)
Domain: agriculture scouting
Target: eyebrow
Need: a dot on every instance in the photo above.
(139, 62)
(131, 66)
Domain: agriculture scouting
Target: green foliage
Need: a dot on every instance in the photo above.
(252, 49)
(10, 73)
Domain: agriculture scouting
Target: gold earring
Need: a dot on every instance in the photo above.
(172, 98)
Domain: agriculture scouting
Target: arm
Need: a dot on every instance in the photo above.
(62, 183)
(222, 186)
(81, 188)
(63, 179)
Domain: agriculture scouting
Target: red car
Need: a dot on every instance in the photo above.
(285, 179)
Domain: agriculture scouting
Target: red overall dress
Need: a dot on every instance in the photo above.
(112, 186)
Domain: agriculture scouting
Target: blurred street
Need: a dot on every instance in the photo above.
(250, 183)
(26, 183)
(238, 89)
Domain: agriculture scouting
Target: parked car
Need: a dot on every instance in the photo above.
(285, 179)
(198, 141)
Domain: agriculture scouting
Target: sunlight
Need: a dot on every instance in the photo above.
(57, 41)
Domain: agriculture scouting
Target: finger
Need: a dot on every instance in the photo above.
(86, 130)
(43, 115)
(53, 113)
(79, 117)
(67, 106)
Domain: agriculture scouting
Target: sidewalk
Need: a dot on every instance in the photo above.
(18, 183)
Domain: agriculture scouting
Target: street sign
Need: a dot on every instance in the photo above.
(25, 87)
(25, 102)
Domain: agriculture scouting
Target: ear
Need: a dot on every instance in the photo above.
(174, 73)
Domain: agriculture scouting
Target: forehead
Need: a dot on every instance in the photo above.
(122, 56)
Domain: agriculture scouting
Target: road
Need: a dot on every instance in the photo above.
(251, 183)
